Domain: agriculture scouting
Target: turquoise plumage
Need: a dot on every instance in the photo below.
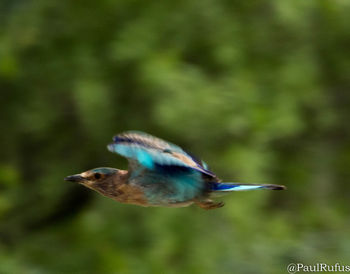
(151, 151)
(160, 174)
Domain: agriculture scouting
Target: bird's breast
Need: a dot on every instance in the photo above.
(129, 194)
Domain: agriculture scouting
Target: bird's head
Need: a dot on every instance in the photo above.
(102, 179)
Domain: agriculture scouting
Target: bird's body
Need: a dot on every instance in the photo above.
(159, 174)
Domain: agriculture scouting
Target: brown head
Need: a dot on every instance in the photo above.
(104, 180)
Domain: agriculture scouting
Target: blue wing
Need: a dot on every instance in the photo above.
(152, 152)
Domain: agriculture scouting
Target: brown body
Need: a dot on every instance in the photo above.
(120, 188)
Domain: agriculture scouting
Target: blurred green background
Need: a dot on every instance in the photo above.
(259, 89)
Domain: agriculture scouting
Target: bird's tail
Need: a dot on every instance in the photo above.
(239, 187)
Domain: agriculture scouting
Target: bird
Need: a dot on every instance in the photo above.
(159, 174)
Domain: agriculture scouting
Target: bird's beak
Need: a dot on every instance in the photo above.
(75, 178)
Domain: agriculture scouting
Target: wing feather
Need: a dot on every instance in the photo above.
(150, 151)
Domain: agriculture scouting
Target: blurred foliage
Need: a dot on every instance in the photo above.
(259, 89)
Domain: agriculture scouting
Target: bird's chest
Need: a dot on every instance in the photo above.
(129, 194)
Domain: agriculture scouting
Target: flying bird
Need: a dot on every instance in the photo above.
(160, 174)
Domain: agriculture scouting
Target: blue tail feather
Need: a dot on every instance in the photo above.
(240, 187)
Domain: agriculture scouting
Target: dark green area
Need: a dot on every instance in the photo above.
(259, 89)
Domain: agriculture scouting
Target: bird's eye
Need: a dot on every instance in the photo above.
(97, 175)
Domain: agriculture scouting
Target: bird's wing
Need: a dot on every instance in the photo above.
(151, 152)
